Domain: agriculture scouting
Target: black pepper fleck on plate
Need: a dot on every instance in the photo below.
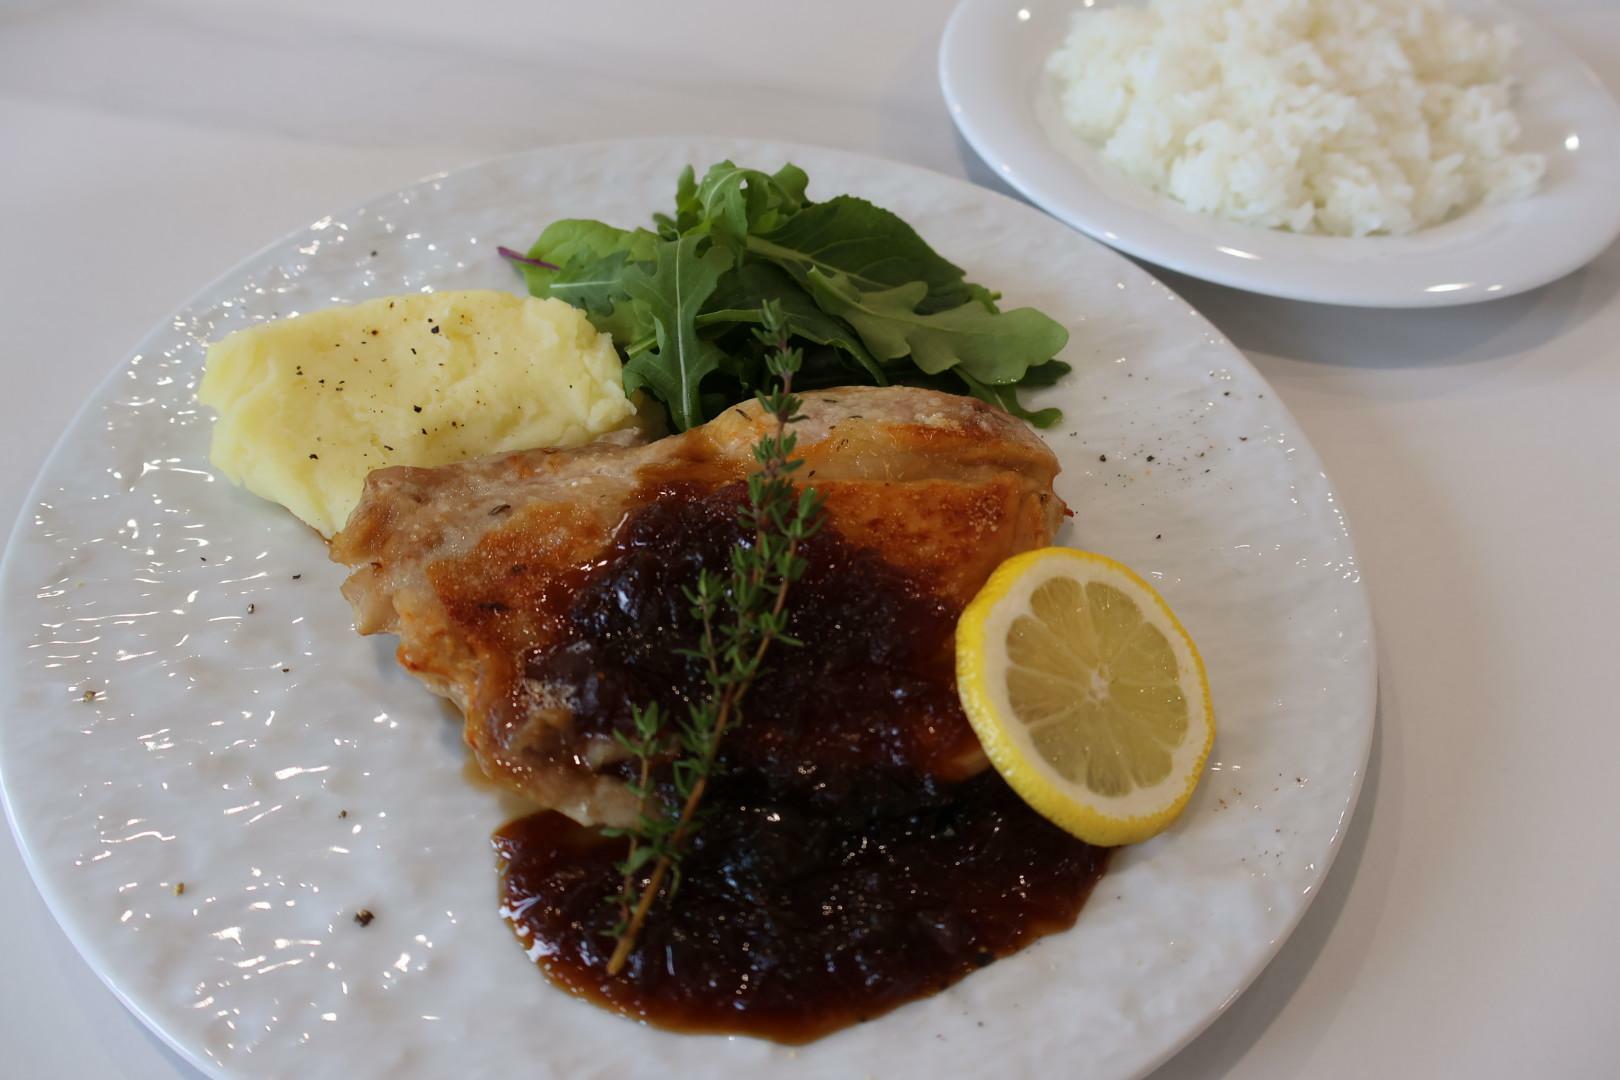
(364, 917)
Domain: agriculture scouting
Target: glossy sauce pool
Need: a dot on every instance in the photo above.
(857, 855)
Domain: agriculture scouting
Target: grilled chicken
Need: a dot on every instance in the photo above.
(543, 591)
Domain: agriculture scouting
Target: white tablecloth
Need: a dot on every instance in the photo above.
(1470, 925)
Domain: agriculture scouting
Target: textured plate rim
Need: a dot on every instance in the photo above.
(1361, 616)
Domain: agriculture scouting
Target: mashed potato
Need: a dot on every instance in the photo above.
(1346, 117)
(309, 405)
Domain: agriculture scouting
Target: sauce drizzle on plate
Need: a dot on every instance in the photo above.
(852, 859)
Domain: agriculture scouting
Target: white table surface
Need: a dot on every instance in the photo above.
(1470, 925)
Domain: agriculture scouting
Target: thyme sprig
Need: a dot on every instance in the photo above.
(741, 614)
(650, 837)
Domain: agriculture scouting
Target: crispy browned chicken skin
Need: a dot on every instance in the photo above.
(480, 567)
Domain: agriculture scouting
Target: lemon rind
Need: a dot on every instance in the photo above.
(1100, 820)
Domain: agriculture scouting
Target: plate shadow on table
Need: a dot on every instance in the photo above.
(1375, 338)
(976, 170)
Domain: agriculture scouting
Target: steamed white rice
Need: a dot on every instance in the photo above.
(1345, 117)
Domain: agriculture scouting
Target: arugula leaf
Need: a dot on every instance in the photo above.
(993, 347)
(743, 292)
(597, 286)
(732, 202)
(865, 296)
(594, 284)
(872, 247)
(572, 239)
(984, 296)
(673, 292)
(1046, 374)
(686, 205)
(1007, 398)
(794, 182)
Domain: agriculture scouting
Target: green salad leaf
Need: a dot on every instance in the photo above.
(580, 240)
(855, 286)
(869, 245)
(597, 286)
(744, 291)
(673, 291)
(1007, 398)
(733, 202)
(993, 347)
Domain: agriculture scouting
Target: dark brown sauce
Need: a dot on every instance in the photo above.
(790, 923)
(846, 866)
(872, 686)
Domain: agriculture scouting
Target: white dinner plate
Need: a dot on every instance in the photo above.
(992, 68)
(185, 701)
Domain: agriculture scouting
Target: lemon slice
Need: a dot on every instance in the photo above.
(1086, 692)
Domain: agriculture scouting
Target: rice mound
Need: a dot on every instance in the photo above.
(1343, 117)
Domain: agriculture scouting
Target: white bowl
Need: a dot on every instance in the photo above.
(992, 68)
